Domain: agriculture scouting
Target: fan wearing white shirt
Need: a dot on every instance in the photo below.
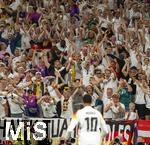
(52, 89)
(3, 102)
(16, 59)
(147, 112)
(92, 93)
(108, 113)
(63, 45)
(140, 101)
(15, 102)
(110, 81)
(66, 101)
(15, 4)
(131, 115)
(48, 105)
(87, 72)
(27, 81)
(3, 106)
(91, 125)
(133, 53)
(117, 108)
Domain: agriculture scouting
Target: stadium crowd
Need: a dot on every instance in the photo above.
(52, 52)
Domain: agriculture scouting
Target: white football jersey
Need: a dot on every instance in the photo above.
(91, 126)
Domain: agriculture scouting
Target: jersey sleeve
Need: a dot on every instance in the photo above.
(103, 126)
(73, 123)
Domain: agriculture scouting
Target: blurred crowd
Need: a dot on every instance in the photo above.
(52, 52)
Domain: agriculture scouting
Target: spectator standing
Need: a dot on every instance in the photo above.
(117, 108)
(124, 91)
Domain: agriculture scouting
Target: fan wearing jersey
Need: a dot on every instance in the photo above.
(91, 126)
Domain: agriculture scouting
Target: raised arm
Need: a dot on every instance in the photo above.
(72, 125)
(74, 93)
(125, 68)
(47, 64)
(103, 127)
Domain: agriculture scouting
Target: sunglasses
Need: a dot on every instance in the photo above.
(28, 91)
(98, 73)
(66, 88)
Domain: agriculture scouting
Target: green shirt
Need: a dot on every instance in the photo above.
(125, 97)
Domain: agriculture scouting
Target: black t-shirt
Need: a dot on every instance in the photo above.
(120, 62)
(63, 73)
(51, 71)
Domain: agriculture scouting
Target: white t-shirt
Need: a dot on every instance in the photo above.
(130, 13)
(139, 99)
(109, 113)
(53, 93)
(134, 61)
(14, 61)
(132, 116)
(94, 97)
(25, 41)
(12, 75)
(101, 67)
(147, 40)
(117, 115)
(90, 121)
(15, 4)
(110, 83)
(23, 84)
(46, 3)
(2, 109)
(147, 98)
(86, 75)
(67, 48)
(82, 4)
(111, 4)
(117, 22)
(14, 108)
(49, 110)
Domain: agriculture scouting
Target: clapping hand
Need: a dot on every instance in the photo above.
(93, 80)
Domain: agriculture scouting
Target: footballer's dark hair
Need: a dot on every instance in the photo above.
(87, 99)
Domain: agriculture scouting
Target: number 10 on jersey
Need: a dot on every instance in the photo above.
(91, 124)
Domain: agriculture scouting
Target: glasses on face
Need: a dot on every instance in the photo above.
(98, 72)
(28, 91)
(107, 73)
(66, 88)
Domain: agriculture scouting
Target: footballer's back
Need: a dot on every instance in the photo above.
(89, 120)
(90, 123)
